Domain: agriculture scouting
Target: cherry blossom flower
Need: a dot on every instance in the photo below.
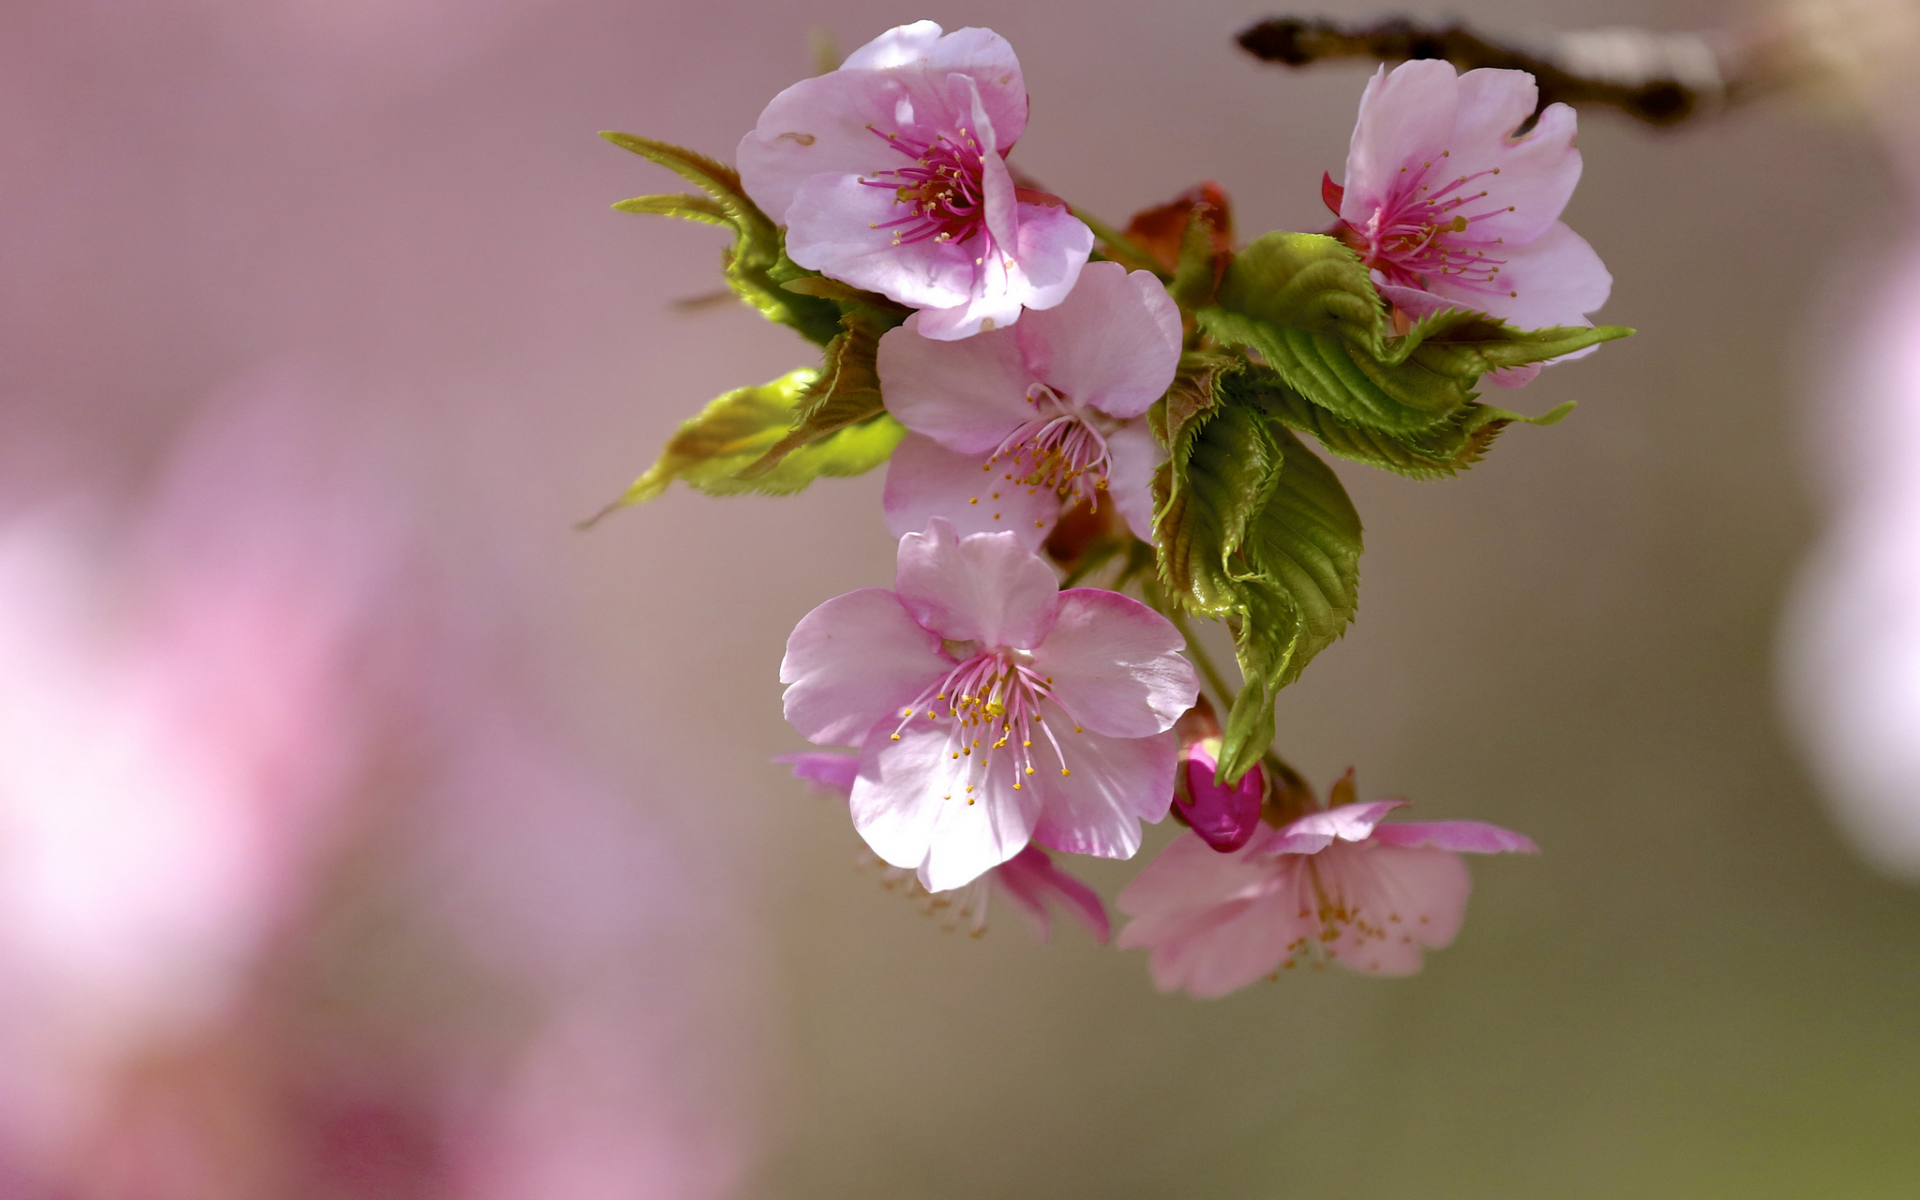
(1013, 427)
(1334, 884)
(1450, 207)
(1029, 879)
(990, 707)
(890, 174)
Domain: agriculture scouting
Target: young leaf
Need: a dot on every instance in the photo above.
(734, 430)
(1399, 399)
(1253, 529)
(687, 207)
(1300, 573)
(757, 264)
(1441, 450)
(1305, 281)
(1469, 344)
(845, 392)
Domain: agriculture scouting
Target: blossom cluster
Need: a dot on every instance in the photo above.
(1093, 435)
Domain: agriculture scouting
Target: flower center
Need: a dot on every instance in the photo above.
(1058, 449)
(991, 704)
(942, 190)
(1425, 228)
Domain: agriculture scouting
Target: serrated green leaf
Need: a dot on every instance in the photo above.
(846, 391)
(1399, 399)
(1305, 281)
(1299, 571)
(1251, 528)
(1469, 344)
(756, 265)
(1442, 450)
(736, 429)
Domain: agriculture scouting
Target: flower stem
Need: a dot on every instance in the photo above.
(1203, 660)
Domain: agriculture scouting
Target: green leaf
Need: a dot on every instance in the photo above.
(1252, 528)
(1305, 281)
(735, 430)
(1299, 570)
(845, 392)
(687, 207)
(1399, 399)
(1468, 344)
(1441, 450)
(756, 266)
(1306, 305)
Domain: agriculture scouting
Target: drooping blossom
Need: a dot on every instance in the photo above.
(1334, 884)
(990, 707)
(1010, 428)
(1029, 879)
(1451, 207)
(890, 174)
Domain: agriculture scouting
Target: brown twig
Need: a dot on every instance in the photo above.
(1661, 79)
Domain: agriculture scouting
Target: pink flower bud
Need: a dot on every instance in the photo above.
(1223, 817)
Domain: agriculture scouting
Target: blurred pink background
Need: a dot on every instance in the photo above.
(368, 832)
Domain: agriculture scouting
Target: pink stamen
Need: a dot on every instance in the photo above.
(944, 191)
(1420, 233)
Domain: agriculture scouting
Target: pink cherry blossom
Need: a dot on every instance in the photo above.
(1012, 427)
(890, 174)
(1028, 879)
(1222, 817)
(1450, 207)
(990, 707)
(1334, 884)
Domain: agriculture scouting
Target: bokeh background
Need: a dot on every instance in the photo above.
(369, 832)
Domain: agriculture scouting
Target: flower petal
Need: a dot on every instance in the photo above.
(1134, 454)
(968, 395)
(1031, 879)
(1405, 115)
(1113, 344)
(1052, 253)
(926, 480)
(1538, 172)
(980, 53)
(1316, 831)
(1471, 837)
(1115, 665)
(1216, 922)
(911, 804)
(1114, 785)
(834, 227)
(1401, 900)
(984, 588)
(1557, 279)
(824, 125)
(830, 772)
(853, 661)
